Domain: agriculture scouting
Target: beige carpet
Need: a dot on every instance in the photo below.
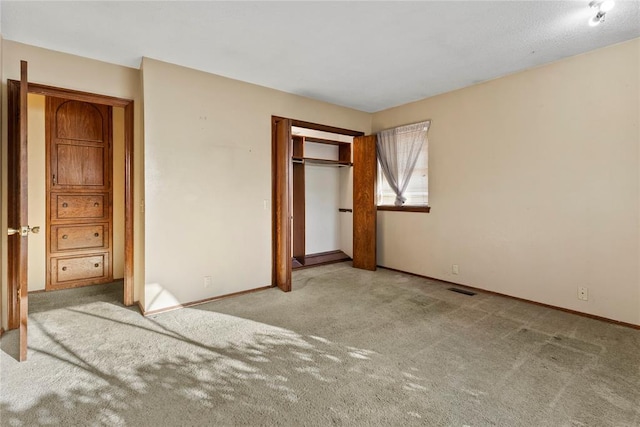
(346, 347)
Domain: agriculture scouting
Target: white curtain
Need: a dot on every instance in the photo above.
(398, 150)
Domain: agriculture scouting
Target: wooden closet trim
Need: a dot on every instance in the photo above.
(282, 188)
(128, 105)
(324, 128)
(75, 95)
(298, 201)
(282, 209)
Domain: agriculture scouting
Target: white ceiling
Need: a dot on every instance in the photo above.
(365, 55)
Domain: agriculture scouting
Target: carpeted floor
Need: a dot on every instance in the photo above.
(346, 347)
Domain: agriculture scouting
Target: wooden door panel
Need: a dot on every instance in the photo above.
(81, 207)
(79, 137)
(80, 166)
(75, 237)
(364, 202)
(282, 204)
(78, 268)
(79, 121)
(299, 246)
(80, 196)
(17, 212)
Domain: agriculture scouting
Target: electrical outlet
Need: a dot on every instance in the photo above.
(583, 293)
(455, 269)
(208, 281)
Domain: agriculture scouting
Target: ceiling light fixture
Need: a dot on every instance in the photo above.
(607, 5)
(602, 7)
(597, 20)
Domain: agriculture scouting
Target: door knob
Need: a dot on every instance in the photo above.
(24, 230)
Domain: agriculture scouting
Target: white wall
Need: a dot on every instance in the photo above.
(322, 201)
(207, 177)
(534, 185)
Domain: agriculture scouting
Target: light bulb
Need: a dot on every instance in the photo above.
(596, 20)
(607, 5)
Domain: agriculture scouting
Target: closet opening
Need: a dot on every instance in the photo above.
(322, 175)
(323, 193)
(76, 194)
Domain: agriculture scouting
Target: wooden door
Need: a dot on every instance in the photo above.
(298, 201)
(18, 209)
(79, 193)
(364, 202)
(282, 209)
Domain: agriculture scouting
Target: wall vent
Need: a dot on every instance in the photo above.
(462, 291)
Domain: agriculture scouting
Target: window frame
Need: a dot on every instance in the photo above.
(405, 208)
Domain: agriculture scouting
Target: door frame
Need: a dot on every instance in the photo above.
(128, 105)
(282, 196)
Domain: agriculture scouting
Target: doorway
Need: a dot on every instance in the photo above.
(285, 150)
(322, 197)
(79, 206)
(126, 107)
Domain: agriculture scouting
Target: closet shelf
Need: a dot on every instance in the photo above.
(323, 162)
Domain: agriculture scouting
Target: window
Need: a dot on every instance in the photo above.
(403, 167)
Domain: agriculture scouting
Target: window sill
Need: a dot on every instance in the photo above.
(423, 209)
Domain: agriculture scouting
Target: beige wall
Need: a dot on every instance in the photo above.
(73, 72)
(534, 185)
(118, 192)
(37, 268)
(208, 175)
(37, 192)
(534, 178)
(3, 191)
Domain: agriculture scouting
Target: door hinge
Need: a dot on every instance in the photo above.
(54, 179)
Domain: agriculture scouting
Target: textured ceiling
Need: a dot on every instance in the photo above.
(365, 55)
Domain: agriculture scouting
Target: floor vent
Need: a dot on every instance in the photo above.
(462, 291)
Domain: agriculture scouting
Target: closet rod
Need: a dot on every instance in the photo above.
(320, 162)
